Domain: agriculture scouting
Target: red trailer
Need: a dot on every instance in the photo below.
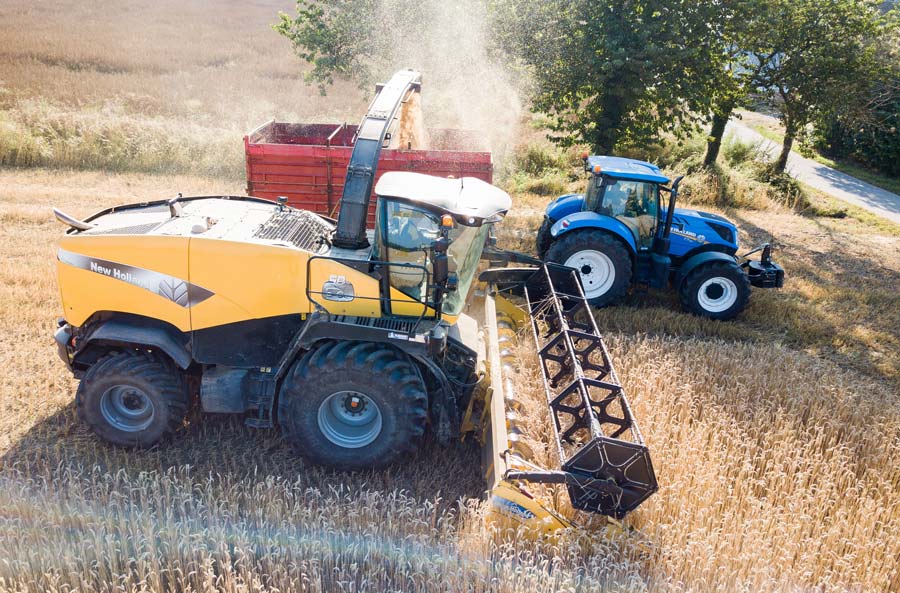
(307, 163)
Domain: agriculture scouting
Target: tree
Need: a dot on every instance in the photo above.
(811, 55)
(338, 38)
(736, 73)
(611, 73)
(870, 132)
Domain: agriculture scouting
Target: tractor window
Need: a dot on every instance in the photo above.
(634, 203)
(592, 195)
(466, 245)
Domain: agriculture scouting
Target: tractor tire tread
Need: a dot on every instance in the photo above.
(155, 372)
(720, 268)
(596, 240)
(383, 364)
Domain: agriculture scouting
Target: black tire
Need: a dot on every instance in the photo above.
(384, 375)
(543, 239)
(717, 290)
(615, 255)
(155, 387)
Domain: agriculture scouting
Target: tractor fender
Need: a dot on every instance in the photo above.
(118, 332)
(565, 205)
(698, 260)
(592, 220)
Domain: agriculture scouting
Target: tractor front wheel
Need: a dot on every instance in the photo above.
(133, 399)
(601, 260)
(718, 290)
(353, 405)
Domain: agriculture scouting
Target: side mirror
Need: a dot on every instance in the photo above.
(440, 265)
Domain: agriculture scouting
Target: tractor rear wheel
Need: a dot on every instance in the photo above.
(543, 239)
(718, 290)
(602, 261)
(133, 399)
(353, 405)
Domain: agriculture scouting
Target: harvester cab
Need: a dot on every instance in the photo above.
(619, 233)
(355, 342)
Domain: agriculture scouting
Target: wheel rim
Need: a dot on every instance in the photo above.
(127, 408)
(717, 294)
(349, 419)
(596, 269)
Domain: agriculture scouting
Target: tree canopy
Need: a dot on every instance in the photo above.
(611, 74)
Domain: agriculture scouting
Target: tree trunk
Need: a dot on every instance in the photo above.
(609, 124)
(781, 163)
(714, 142)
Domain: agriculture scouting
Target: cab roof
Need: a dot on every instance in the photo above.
(470, 200)
(622, 168)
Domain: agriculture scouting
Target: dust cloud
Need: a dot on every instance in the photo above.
(463, 86)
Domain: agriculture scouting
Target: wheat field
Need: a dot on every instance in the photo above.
(774, 437)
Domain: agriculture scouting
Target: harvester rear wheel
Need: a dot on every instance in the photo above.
(601, 260)
(133, 399)
(353, 405)
(718, 290)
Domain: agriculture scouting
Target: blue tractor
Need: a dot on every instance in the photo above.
(619, 234)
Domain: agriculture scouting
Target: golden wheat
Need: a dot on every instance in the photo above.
(776, 465)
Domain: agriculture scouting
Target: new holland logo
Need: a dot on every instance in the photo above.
(180, 292)
(690, 235)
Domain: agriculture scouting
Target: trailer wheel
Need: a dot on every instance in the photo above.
(133, 399)
(353, 405)
(718, 290)
(602, 261)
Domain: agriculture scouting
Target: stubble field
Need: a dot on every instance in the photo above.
(774, 437)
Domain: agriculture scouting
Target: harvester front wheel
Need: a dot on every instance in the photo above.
(718, 290)
(353, 405)
(601, 260)
(133, 399)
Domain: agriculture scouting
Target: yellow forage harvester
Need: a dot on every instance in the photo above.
(353, 342)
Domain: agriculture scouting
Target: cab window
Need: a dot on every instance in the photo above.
(634, 203)
(408, 238)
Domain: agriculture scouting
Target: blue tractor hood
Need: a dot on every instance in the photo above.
(693, 228)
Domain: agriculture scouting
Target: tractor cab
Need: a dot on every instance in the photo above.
(430, 232)
(632, 200)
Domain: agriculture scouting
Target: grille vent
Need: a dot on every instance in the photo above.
(138, 229)
(297, 227)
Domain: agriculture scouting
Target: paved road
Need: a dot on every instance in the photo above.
(825, 179)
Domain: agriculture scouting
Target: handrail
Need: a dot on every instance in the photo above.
(381, 298)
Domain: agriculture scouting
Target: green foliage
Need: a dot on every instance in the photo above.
(869, 135)
(339, 38)
(812, 55)
(738, 152)
(613, 73)
(536, 159)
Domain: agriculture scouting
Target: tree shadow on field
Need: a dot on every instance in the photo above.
(834, 304)
(221, 447)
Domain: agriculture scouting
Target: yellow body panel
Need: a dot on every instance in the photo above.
(246, 281)
(511, 508)
(84, 292)
(249, 281)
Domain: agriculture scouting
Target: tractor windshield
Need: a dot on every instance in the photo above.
(405, 234)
